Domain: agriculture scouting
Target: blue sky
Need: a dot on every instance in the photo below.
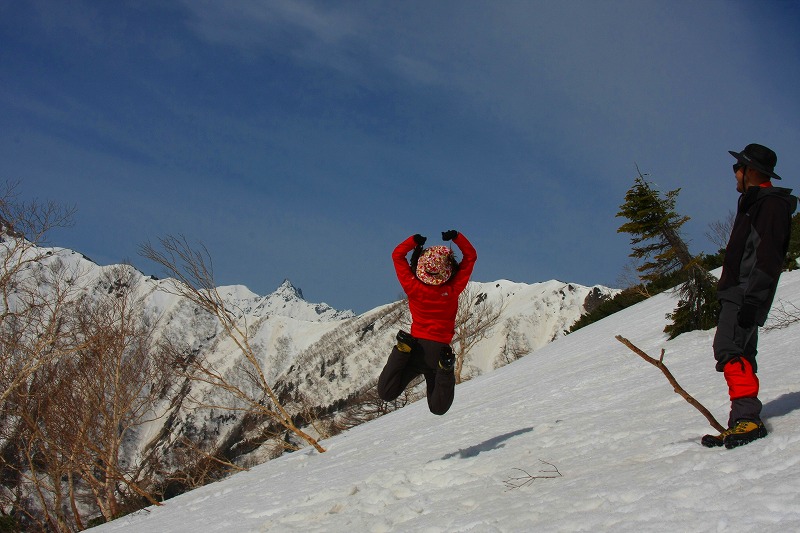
(304, 140)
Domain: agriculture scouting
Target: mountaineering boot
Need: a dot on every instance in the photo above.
(744, 432)
(405, 341)
(715, 441)
(447, 359)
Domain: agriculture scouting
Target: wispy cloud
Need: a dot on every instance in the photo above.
(333, 123)
(294, 26)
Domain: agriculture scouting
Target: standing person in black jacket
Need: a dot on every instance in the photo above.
(754, 259)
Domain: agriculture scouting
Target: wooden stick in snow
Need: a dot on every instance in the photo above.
(659, 363)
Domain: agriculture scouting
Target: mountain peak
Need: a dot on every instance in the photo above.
(288, 300)
(287, 290)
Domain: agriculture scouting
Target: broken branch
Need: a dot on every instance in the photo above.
(659, 363)
(527, 479)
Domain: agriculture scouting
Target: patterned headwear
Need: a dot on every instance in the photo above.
(435, 265)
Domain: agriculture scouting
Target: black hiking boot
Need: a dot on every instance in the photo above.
(715, 441)
(744, 432)
(405, 341)
(447, 358)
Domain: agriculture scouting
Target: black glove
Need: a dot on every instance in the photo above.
(449, 235)
(415, 258)
(747, 316)
(419, 239)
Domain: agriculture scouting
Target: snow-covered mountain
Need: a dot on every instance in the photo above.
(314, 356)
(581, 435)
(286, 301)
(317, 356)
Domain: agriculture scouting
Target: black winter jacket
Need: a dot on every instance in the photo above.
(757, 248)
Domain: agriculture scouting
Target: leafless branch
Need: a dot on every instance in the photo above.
(521, 481)
(720, 231)
(476, 320)
(783, 316)
(193, 273)
(659, 363)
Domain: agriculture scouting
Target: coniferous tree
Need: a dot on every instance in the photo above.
(697, 305)
(657, 242)
(655, 227)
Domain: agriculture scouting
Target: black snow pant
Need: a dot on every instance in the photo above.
(732, 342)
(402, 367)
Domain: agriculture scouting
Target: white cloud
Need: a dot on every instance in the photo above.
(248, 23)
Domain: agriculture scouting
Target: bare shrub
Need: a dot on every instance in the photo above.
(192, 271)
(476, 320)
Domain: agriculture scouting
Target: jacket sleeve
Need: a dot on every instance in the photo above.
(401, 267)
(467, 262)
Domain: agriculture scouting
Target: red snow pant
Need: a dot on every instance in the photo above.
(735, 350)
(742, 381)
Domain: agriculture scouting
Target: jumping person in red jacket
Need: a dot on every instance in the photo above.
(433, 281)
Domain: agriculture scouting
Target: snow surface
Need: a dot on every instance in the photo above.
(627, 449)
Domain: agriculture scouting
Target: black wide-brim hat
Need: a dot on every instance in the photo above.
(758, 157)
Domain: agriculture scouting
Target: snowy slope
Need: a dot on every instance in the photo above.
(311, 353)
(626, 447)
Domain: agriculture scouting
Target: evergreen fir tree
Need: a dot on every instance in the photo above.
(697, 305)
(655, 227)
(656, 242)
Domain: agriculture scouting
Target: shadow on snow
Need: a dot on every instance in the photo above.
(486, 446)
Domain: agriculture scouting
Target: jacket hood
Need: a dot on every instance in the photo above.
(785, 194)
(755, 194)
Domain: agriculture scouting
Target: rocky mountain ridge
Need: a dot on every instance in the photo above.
(318, 360)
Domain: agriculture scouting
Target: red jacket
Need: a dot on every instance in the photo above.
(433, 307)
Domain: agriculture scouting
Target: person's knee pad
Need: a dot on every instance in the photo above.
(742, 380)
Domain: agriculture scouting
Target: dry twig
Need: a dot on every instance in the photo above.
(783, 316)
(659, 363)
(527, 479)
